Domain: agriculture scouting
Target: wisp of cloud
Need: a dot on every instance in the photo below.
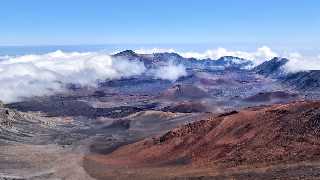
(170, 72)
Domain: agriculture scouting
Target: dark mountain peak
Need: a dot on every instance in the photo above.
(279, 60)
(167, 55)
(271, 67)
(230, 58)
(127, 53)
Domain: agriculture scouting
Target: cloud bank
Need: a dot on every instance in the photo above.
(38, 75)
(262, 54)
(298, 62)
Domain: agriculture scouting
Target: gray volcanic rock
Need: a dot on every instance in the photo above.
(187, 107)
(126, 53)
(304, 80)
(276, 96)
(184, 91)
(271, 68)
(76, 108)
(24, 127)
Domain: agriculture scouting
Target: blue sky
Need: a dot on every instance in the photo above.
(61, 22)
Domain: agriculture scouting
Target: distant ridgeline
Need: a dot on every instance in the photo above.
(151, 60)
(274, 68)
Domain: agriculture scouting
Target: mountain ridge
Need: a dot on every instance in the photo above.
(175, 58)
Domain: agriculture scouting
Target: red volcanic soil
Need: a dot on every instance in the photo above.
(274, 141)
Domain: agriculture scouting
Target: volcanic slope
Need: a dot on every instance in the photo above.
(278, 141)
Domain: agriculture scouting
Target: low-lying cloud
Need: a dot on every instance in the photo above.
(170, 72)
(38, 75)
(298, 62)
(260, 55)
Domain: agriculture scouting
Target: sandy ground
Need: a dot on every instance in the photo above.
(43, 162)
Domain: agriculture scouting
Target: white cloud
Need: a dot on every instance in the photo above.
(153, 50)
(298, 62)
(38, 75)
(46, 74)
(170, 72)
(262, 54)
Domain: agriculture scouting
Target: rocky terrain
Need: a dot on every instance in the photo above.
(301, 80)
(274, 141)
(221, 114)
